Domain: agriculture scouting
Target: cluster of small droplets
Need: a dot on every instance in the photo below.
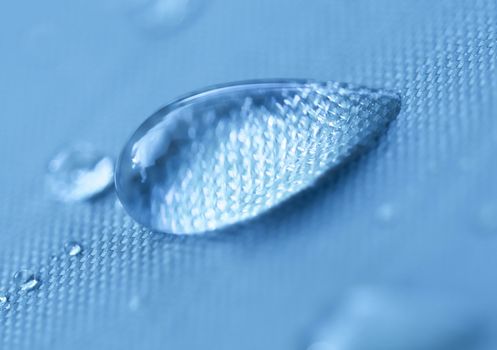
(26, 280)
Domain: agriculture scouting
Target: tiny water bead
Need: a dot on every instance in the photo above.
(230, 153)
(487, 217)
(4, 301)
(73, 248)
(26, 280)
(385, 213)
(79, 172)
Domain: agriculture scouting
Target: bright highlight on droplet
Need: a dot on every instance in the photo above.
(229, 153)
(26, 280)
(73, 248)
(79, 172)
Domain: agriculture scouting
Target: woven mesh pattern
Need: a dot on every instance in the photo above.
(80, 71)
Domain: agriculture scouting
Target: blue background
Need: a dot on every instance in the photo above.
(418, 211)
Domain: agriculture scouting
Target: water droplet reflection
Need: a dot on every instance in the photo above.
(230, 153)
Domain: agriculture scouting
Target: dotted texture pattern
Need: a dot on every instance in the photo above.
(83, 71)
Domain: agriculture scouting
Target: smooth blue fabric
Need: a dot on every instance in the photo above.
(419, 210)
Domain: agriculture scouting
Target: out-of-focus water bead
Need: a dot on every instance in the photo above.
(26, 280)
(79, 172)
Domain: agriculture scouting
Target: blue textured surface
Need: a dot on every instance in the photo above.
(83, 71)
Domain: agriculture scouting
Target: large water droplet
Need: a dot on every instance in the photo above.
(372, 319)
(227, 154)
(73, 248)
(26, 280)
(79, 172)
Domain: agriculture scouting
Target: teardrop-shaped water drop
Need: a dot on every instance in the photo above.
(227, 154)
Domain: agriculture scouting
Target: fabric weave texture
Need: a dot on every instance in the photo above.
(82, 71)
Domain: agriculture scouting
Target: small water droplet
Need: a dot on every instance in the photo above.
(229, 153)
(26, 280)
(4, 300)
(159, 17)
(382, 319)
(79, 172)
(73, 248)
